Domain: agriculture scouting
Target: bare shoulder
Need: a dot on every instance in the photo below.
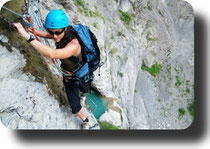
(74, 41)
(74, 47)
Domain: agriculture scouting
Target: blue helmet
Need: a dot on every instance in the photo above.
(56, 19)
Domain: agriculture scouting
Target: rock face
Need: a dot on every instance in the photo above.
(112, 117)
(147, 47)
(25, 101)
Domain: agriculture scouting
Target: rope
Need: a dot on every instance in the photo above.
(28, 21)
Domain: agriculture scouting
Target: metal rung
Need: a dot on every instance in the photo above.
(93, 104)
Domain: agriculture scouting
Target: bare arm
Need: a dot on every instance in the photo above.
(42, 33)
(71, 49)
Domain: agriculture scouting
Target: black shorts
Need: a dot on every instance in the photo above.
(72, 88)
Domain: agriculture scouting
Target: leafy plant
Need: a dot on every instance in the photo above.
(80, 2)
(154, 70)
(121, 74)
(125, 17)
(178, 81)
(149, 38)
(107, 126)
(113, 51)
(191, 109)
(161, 13)
(126, 59)
(120, 34)
(169, 71)
(182, 112)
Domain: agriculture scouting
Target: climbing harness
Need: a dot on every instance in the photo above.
(67, 75)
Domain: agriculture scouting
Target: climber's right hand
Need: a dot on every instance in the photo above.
(22, 32)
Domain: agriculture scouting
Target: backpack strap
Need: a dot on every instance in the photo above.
(84, 59)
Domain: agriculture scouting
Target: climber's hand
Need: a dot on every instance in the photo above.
(22, 32)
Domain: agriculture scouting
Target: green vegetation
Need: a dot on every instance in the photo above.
(154, 70)
(158, 99)
(148, 24)
(109, 45)
(133, 15)
(164, 111)
(161, 13)
(121, 74)
(35, 63)
(106, 59)
(91, 13)
(79, 2)
(107, 126)
(185, 88)
(120, 34)
(112, 36)
(96, 13)
(113, 51)
(125, 17)
(179, 69)
(126, 59)
(178, 76)
(82, 8)
(149, 37)
(95, 25)
(191, 109)
(182, 112)
(133, 5)
(188, 91)
(178, 82)
(14, 5)
(132, 29)
(149, 8)
(169, 71)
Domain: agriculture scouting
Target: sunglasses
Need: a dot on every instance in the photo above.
(57, 32)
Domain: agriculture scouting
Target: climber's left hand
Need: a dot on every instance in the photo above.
(22, 32)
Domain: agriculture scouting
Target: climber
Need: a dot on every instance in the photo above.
(67, 48)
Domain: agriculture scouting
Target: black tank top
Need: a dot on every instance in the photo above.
(71, 63)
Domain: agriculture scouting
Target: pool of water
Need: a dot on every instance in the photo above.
(100, 105)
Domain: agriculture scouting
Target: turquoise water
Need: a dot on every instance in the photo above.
(101, 104)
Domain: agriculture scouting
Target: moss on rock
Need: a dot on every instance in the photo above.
(107, 126)
(154, 70)
(36, 65)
